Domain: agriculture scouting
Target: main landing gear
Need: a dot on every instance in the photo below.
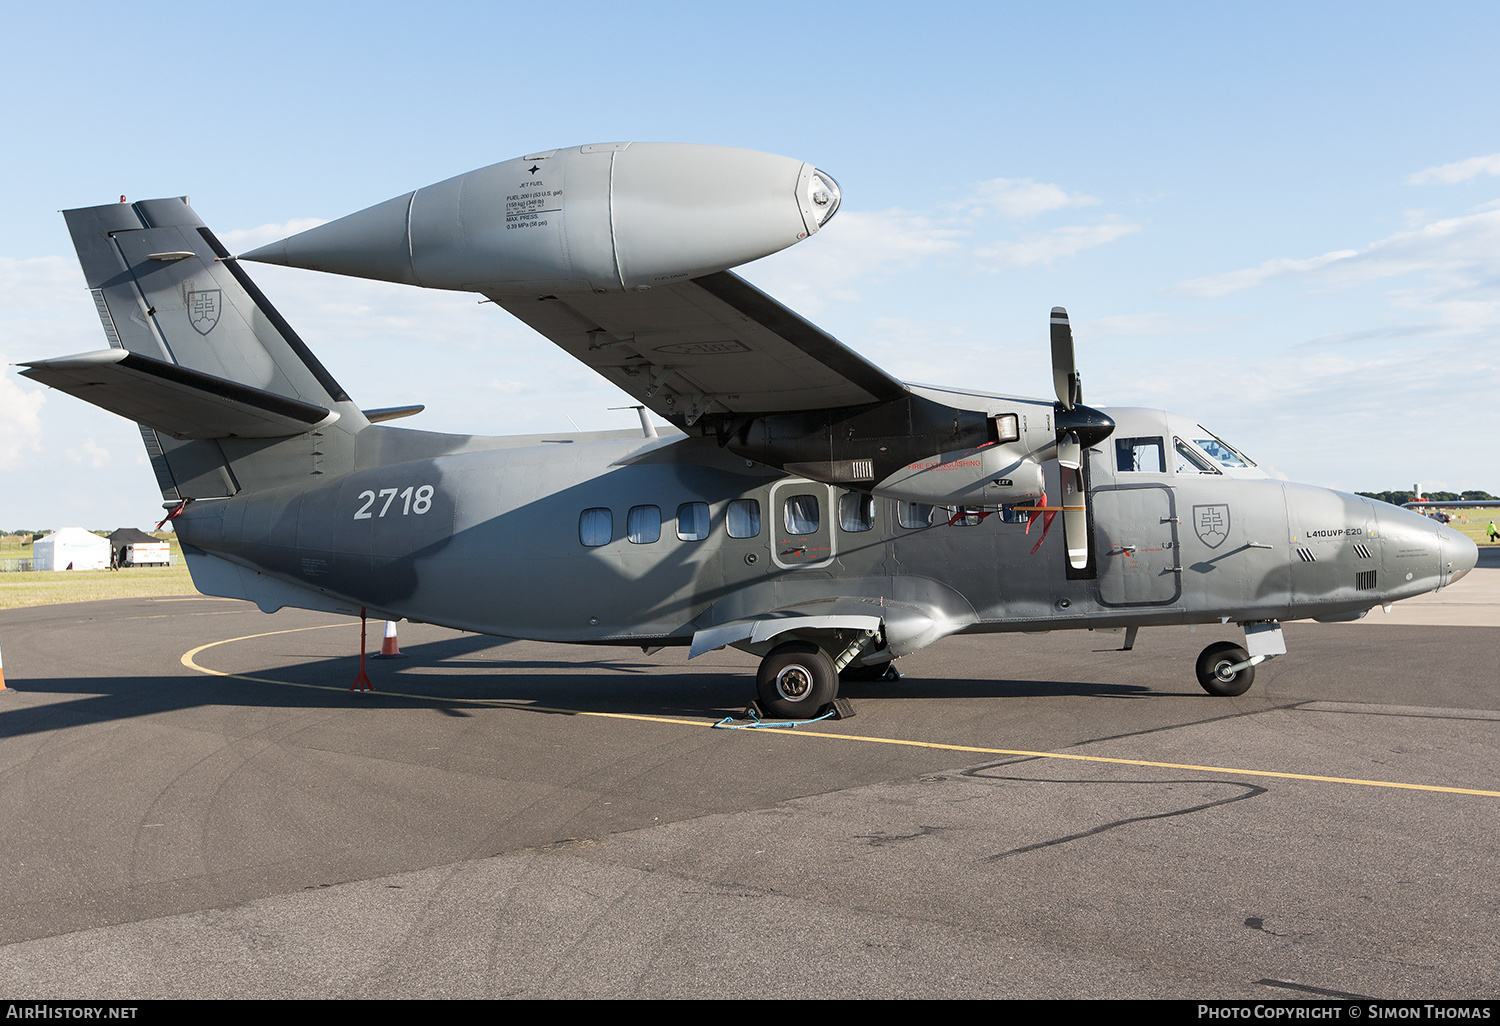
(797, 680)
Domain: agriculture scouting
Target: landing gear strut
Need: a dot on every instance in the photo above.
(869, 673)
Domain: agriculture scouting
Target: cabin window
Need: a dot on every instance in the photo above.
(914, 514)
(595, 527)
(1140, 455)
(643, 524)
(692, 521)
(1191, 462)
(743, 518)
(967, 516)
(856, 511)
(801, 514)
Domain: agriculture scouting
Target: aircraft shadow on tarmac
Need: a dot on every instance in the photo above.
(456, 674)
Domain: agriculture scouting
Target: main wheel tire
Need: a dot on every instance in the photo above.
(796, 680)
(1213, 672)
(866, 674)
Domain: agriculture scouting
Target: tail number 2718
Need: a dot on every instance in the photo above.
(413, 500)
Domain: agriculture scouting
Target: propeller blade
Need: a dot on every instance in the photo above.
(1075, 521)
(1075, 518)
(1064, 367)
(1077, 426)
(1070, 451)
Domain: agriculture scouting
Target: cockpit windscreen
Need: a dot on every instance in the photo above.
(1221, 450)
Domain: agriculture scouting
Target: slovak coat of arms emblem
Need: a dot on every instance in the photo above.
(1211, 524)
(203, 307)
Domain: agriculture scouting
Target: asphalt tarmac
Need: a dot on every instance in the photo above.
(195, 805)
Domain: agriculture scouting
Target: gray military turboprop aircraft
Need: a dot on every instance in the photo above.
(809, 508)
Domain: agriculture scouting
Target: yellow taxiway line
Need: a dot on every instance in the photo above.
(189, 660)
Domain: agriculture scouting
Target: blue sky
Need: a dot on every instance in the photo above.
(1281, 219)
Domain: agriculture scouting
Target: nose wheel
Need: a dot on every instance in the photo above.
(1221, 672)
(796, 680)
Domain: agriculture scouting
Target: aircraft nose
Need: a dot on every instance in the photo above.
(1460, 553)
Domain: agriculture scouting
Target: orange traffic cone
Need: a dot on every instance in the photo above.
(2, 673)
(388, 647)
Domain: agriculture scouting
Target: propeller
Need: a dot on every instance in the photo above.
(1064, 368)
(1078, 426)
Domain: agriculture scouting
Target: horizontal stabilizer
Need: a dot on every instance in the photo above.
(175, 400)
(392, 413)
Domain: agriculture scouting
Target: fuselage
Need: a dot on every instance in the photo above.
(625, 539)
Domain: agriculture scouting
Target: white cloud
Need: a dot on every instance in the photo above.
(1043, 248)
(1348, 417)
(1022, 197)
(1129, 325)
(1234, 281)
(93, 454)
(857, 246)
(1458, 171)
(20, 420)
(244, 239)
(1459, 257)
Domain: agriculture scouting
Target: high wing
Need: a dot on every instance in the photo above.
(621, 254)
(712, 342)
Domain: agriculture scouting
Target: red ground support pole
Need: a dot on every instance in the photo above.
(362, 682)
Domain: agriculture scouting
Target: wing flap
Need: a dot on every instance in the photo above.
(175, 400)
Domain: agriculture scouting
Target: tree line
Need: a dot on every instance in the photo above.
(1402, 498)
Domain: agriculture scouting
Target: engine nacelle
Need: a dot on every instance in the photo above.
(606, 217)
(990, 476)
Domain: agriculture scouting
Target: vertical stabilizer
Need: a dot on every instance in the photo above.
(212, 372)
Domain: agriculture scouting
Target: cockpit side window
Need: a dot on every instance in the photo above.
(1221, 450)
(1140, 455)
(1190, 461)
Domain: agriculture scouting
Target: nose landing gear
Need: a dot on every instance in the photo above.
(1217, 673)
(1225, 669)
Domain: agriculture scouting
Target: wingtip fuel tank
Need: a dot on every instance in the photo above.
(602, 218)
